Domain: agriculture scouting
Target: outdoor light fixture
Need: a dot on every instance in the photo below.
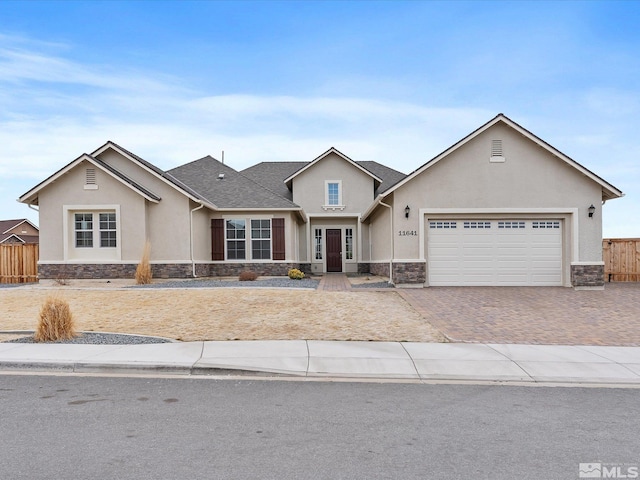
(592, 210)
(406, 211)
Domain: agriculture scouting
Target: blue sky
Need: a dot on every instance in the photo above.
(395, 82)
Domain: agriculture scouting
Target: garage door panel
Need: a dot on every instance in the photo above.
(495, 252)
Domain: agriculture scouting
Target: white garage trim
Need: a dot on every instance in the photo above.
(571, 224)
(494, 252)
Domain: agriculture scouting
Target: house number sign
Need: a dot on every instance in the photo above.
(407, 233)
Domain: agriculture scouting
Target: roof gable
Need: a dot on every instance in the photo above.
(7, 225)
(31, 197)
(608, 190)
(152, 169)
(341, 155)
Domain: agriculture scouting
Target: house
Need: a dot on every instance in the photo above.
(499, 207)
(20, 231)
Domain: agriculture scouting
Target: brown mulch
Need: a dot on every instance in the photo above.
(226, 313)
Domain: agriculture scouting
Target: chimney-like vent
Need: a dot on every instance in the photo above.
(221, 176)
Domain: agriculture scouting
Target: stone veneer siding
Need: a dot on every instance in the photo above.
(158, 270)
(364, 268)
(409, 273)
(380, 269)
(587, 275)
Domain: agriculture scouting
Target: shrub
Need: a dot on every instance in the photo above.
(295, 274)
(56, 321)
(247, 276)
(143, 270)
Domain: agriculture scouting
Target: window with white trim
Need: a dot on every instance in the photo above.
(348, 238)
(108, 233)
(318, 244)
(261, 239)
(83, 226)
(333, 193)
(236, 239)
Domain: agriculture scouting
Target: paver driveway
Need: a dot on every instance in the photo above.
(537, 315)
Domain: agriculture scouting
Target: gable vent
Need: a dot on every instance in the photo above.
(496, 148)
(496, 152)
(90, 179)
(90, 176)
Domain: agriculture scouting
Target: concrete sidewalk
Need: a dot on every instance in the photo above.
(372, 360)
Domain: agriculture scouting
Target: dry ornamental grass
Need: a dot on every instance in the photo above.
(56, 321)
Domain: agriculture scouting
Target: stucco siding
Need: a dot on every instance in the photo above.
(309, 187)
(530, 178)
(68, 195)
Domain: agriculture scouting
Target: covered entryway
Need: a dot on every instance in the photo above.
(494, 252)
(334, 250)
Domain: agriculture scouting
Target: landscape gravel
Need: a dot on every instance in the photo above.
(98, 338)
(281, 282)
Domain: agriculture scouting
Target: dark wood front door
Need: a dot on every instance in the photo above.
(334, 250)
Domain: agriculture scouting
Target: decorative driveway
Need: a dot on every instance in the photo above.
(534, 315)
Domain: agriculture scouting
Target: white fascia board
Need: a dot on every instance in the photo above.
(325, 154)
(71, 166)
(153, 172)
(610, 189)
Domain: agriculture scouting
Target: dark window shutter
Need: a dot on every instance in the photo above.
(277, 232)
(217, 239)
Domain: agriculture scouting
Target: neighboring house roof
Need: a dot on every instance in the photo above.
(14, 238)
(608, 190)
(7, 235)
(31, 197)
(228, 188)
(7, 225)
(272, 175)
(324, 155)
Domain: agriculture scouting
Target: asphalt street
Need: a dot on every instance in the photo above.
(75, 427)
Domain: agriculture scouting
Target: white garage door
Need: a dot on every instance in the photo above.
(495, 252)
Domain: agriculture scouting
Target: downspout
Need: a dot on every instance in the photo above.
(33, 208)
(193, 261)
(392, 249)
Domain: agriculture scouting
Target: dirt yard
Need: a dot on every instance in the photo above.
(226, 313)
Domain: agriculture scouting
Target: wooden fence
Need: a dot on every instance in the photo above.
(19, 263)
(621, 258)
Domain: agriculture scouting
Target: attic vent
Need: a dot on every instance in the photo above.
(90, 179)
(221, 176)
(496, 152)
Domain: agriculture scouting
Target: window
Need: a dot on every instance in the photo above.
(442, 224)
(318, 244)
(84, 230)
(261, 239)
(236, 244)
(348, 237)
(333, 194)
(107, 230)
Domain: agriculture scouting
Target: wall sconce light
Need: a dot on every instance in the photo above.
(592, 210)
(406, 211)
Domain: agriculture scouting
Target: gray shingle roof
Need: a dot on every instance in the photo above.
(272, 175)
(235, 190)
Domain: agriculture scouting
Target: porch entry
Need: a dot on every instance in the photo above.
(334, 250)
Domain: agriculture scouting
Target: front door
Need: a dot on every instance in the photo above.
(334, 250)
